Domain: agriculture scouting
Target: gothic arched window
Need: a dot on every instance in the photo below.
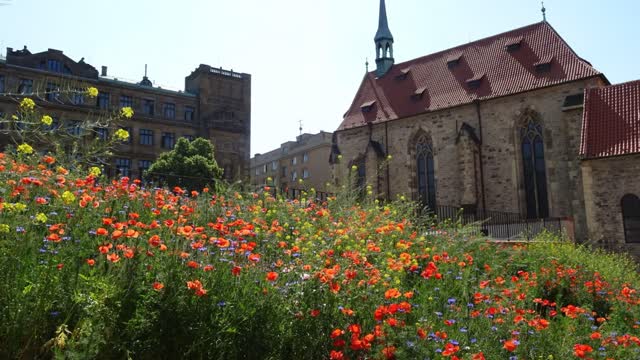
(631, 218)
(535, 176)
(426, 173)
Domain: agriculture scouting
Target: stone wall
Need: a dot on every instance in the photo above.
(497, 124)
(606, 181)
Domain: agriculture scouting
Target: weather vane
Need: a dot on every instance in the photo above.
(366, 64)
(300, 122)
(544, 12)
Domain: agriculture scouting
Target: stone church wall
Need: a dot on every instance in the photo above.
(501, 154)
(606, 181)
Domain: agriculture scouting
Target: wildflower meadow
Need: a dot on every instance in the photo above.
(99, 268)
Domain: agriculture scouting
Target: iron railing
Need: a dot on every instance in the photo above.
(496, 224)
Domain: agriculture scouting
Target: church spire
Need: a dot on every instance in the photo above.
(384, 43)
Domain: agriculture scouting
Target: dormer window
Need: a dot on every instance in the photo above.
(475, 81)
(419, 93)
(453, 60)
(403, 74)
(544, 65)
(54, 65)
(367, 106)
(513, 45)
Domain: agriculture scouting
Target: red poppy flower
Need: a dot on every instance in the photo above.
(272, 276)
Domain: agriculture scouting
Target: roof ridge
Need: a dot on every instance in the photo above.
(471, 43)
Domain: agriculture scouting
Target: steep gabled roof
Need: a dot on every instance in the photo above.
(524, 59)
(611, 121)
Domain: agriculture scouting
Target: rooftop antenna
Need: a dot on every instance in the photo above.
(544, 13)
(300, 128)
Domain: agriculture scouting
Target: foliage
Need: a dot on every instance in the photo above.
(191, 164)
(93, 269)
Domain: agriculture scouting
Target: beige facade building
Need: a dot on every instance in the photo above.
(215, 104)
(295, 166)
(492, 125)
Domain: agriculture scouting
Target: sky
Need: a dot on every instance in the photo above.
(306, 58)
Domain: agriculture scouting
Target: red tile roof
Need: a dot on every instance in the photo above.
(447, 85)
(611, 121)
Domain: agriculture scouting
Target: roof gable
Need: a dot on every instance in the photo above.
(611, 121)
(483, 69)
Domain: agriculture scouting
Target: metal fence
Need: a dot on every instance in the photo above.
(498, 225)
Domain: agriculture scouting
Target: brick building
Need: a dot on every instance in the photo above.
(494, 124)
(215, 104)
(305, 159)
(611, 165)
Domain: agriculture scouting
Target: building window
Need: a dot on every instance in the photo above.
(52, 92)
(102, 133)
(129, 130)
(126, 101)
(257, 171)
(631, 218)
(264, 168)
(55, 125)
(54, 65)
(274, 165)
(361, 175)
(168, 140)
(305, 173)
(294, 161)
(305, 157)
(169, 111)
(77, 97)
(1, 83)
(148, 107)
(426, 173)
(535, 177)
(103, 100)
(188, 113)
(294, 175)
(143, 165)
(123, 167)
(146, 137)
(188, 137)
(25, 87)
(284, 171)
(74, 128)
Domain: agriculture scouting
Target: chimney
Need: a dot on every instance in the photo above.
(104, 71)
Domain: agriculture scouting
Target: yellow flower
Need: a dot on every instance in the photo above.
(68, 197)
(25, 149)
(95, 171)
(354, 167)
(47, 120)
(389, 157)
(14, 117)
(41, 218)
(4, 228)
(121, 134)
(27, 104)
(126, 112)
(92, 92)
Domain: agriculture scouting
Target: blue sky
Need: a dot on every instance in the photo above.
(306, 57)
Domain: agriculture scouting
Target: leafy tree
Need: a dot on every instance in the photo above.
(189, 165)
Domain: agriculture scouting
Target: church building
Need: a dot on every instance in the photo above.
(491, 125)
